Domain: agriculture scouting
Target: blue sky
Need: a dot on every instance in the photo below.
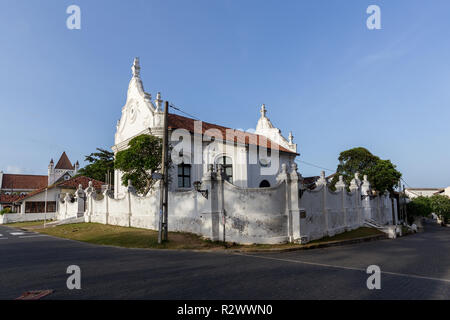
(316, 66)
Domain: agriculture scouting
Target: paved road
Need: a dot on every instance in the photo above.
(413, 267)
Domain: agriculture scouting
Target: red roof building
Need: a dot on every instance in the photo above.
(16, 186)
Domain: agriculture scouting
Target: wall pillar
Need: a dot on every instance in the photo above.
(66, 203)
(90, 196)
(220, 179)
(284, 176)
(210, 215)
(341, 187)
(366, 192)
(80, 197)
(131, 190)
(355, 186)
(297, 216)
(106, 197)
(322, 182)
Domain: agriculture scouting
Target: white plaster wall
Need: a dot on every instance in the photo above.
(118, 211)
(145, 210)
(312, 203)
(67, 209)
(354, 221)
(242, 215)
(18, 217)
(329, 213)
(185, 208)
(255, 215)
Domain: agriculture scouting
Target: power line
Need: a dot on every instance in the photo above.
(316, 166)
(406, 183)
(179, 109)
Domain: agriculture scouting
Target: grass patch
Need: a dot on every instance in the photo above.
(102, 234)
(353, 234)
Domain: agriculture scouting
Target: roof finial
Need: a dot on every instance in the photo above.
(263, 111)
(158, 102)
(291, 138)
(136, 68)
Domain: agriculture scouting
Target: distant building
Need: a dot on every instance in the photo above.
(20, 184)
(421, 192)
(15, 186)
(63, 171)
(46, 199)
(444, 192)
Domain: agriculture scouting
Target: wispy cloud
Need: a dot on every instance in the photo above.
(14, 169)
(384, 55)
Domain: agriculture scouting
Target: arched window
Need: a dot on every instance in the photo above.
(264, 184)
(227, 165)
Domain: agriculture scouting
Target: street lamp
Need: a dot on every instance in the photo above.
(197, 186)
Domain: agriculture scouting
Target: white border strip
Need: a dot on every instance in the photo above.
(345, 268)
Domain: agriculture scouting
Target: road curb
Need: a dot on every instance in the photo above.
(318, 245)
(245, 250)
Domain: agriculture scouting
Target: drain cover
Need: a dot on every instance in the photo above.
(34, 295)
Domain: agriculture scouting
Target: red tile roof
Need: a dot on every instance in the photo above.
(23, 181)
(64, 163)
(8, 198)
(179, 122)
(70, 184)
(84, 181)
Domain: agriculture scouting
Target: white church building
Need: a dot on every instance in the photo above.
(249, 159)
(250, 190)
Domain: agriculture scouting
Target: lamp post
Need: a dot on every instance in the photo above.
(45, 213)
(197, 186)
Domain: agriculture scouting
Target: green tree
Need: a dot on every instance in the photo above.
(418, 207)
(137, 163)
(441, 206)
(101, 163)
(382, 174)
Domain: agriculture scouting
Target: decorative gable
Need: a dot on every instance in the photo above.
(266, 128)
(139, 113)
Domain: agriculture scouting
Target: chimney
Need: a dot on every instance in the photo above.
(77, 167)
(51, 172)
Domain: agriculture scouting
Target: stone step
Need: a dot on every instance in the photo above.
(67, 221)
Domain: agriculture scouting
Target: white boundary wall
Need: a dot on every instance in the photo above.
(26, 217)
(229, 213)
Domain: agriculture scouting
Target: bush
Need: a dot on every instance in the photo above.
(441, 206)
(418, 207)
(6, 210)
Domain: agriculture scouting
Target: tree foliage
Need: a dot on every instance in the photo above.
(424, 206)
(137, 163)
(440, 205)
(419, 207)
(382, 174)
(101, 163)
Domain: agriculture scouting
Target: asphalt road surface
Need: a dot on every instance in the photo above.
(412, 267)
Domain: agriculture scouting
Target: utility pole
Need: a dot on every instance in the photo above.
(45, 213)
(404, 205)
(164, 182)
